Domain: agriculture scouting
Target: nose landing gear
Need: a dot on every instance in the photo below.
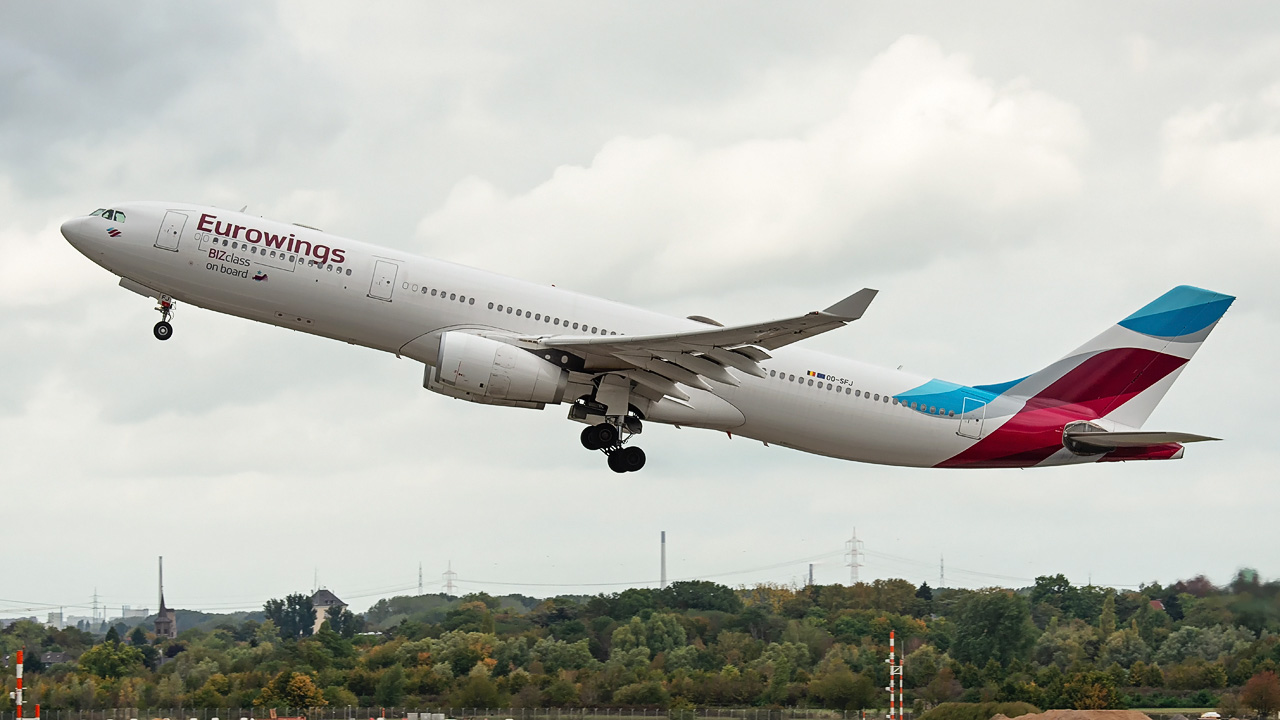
(163, 330)
(606, 437)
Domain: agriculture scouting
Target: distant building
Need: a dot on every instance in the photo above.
(53, 658)
(127, 612)
(322, 602)
(166, 621)
(1157, 605)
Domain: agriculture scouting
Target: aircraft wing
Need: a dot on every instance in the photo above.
(660, 361)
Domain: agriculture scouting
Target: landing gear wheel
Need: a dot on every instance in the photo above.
(630, 458)
(163, 330)
(606, 435)
(615, 463)
(590, 438)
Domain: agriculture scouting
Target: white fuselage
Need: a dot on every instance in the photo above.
(399, 303)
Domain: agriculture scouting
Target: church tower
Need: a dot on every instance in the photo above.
(166, 619)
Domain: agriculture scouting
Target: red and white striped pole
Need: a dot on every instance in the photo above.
(891, 666)
(18, 695)
(901, 682)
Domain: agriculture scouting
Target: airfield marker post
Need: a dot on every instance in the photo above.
(18, 688)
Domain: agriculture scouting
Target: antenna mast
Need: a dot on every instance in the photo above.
(663, 581)
(853, 551)
(449, 577)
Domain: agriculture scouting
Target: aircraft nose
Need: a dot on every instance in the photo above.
(74, 231)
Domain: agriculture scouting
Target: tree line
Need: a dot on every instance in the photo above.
(696, 644)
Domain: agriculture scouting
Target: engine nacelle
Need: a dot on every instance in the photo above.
(470, 367)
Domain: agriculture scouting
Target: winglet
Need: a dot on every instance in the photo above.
(852, 307)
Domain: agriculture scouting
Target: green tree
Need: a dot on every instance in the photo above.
(478, 691)
(138, 637)
(344, 622)
(391, 687)
(699, 595)
(992, 624)
(291, 690)
(111, 659)
(649, 693)
(557, 655)
(1092, 690)
(294, 616)
(1125, 647)
(840, 688)
(1107, 618)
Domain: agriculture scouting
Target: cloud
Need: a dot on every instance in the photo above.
(920, 133)
(1227, 154)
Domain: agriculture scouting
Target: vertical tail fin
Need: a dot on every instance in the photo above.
(1123, 373)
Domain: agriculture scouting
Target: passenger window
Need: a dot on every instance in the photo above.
(773, 373)
(453, 296)
(575, 326)
(857, 393)
(791, 378)
(557, 321)
(471, 301)
(538, 316)
(546, 318)
(810, 383)
(424, 287)
(848, 391)
(877, 396)
(593, 329)
(490, 306)
(462, 298)
(519, 313)
(499, 308)
(509, 309)
(424, 290)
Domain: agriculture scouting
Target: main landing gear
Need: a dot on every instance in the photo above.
(606, 437)
(163, 330)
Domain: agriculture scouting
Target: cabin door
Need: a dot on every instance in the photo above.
(171, 231)
(972, 413)
(384, 280)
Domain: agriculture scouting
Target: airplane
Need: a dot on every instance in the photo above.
(496, 340)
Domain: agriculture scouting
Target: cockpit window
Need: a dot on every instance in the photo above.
(108, 214)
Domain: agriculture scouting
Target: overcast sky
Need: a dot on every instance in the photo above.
(1013, 178)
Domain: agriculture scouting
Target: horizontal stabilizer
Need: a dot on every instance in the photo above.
(1132, 438)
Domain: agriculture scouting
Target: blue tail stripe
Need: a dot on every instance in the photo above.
(1181, 311)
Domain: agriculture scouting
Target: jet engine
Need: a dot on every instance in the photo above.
(481, 370)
